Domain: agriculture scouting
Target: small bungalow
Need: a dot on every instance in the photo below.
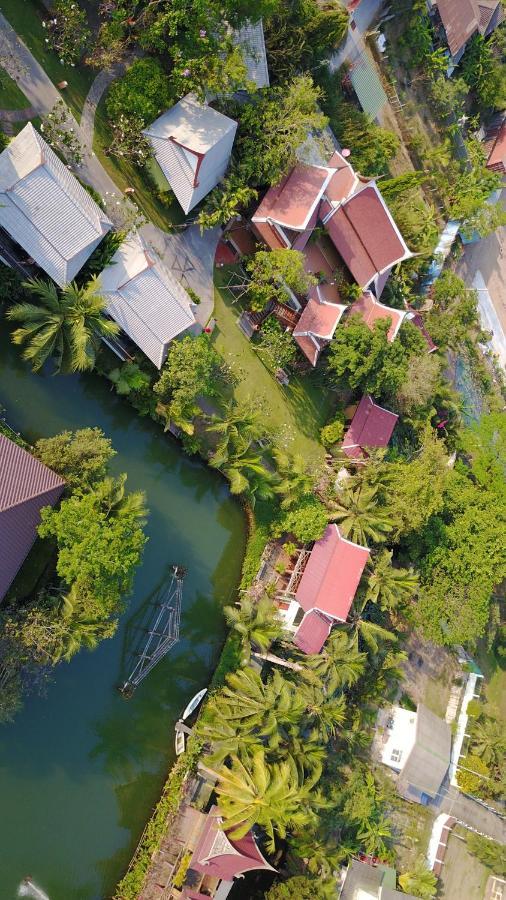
(371, 310)
(250, 39)
(145, 299)
(327, 586)
(26, 486)
(192, 143)
(417, 745)
(370, 880)
(371, 426)
(45, 210)
(318, 321)
(218, 860)
(462, 19)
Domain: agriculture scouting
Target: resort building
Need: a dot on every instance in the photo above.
(45, 210)
(322, 588)
(371, 310)
(250, 38)
(371, 426)
(192, 143)
(369, 880)
(417, 746)
(460, 20)
(318, 321)
(26, 486)
(145, 299)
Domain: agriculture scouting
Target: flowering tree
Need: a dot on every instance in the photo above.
(67, 31)
(59, 132)
(128, 142)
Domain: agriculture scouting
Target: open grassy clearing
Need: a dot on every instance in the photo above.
(494, 687)
(462, 876)
(26, 17)
(11, 97)
(294, 413)
(126, 174)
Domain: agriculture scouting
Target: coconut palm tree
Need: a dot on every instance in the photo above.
(238, 428)
(488, 741)
(264, 709)
(223, 739)
(362, 630)
(419, 881)
(271, 796)
(66, 324)
(339, 664)
(117, 503)
(324, 712)
(375, 835)
(358, 515)
(258, 623)
(388, 586)
(295, 479)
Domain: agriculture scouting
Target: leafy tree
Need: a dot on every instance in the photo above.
(416, 220)
(257, 623)
(300, 34)
(471, 773)
(484, 74)
(358, 515)
(80, 457)
(455, 312)
(277, 345)
(484, 221)
(191, 370)
(128, 141)
(419, 880)
(488, 741)
(272, 272)
(333, 432)
(417, 391)
(488, 852)
(448, 95)
(67, 31)
(307, 521)
(225, 202)
(300, 887)
(127, 378)
(485, 443)
(376, 836)
(389, 586)
(144, 91)
(66, 324)
(365, 359)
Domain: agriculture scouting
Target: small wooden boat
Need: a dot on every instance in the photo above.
(180, 742)
(194, 702)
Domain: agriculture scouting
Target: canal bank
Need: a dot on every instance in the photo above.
(81, 769)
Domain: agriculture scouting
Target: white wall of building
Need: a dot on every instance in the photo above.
(401, 738)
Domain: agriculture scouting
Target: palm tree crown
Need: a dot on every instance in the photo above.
(388, 586)
(358, 515)
(258, 623)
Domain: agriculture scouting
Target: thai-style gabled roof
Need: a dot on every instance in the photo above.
(218, 856)
(372, 426)
(45, 209)
(293, 202)
(332, 574)
(145, 299)
(371, 310)
(26, 486)
(312, 632)
(318, 321)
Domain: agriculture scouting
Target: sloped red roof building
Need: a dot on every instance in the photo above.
(462, 19)
(495, 146)
(371, 426)
(318, 321)
(328, 586)
(26, 486)
(371, 310)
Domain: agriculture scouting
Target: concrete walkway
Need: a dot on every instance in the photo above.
(189, 254)
(474, 815)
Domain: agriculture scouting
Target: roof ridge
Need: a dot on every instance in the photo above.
(34, 496)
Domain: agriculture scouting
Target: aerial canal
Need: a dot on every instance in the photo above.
(81, 767)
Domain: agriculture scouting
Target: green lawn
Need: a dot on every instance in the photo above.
(26, 18)
(11, 97)
(494, 688)
(294, 413)
(125, 174)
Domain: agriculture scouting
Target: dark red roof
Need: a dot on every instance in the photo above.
(312, 632)
(318, 321)
(333, 571)
(365, 235)
(372, 426)
(371, 310)
(217, 855)
(26, 486)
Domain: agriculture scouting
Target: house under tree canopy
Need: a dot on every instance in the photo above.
(371, 310)
(371, 426)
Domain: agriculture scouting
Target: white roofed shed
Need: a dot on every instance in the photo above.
(192, 143)
(145, 299)
(45, 209)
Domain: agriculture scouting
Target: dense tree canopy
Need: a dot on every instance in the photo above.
(80, 457)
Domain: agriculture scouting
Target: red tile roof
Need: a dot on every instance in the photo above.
(217, 855)
(365, 234)
(292, 202)
(26, 485)
(372, 426)
(371, 310)
(312, 632)
(318, 321)
(495, 143)
(332, 574)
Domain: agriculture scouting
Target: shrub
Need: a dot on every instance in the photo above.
(469, 773)
(333, 432)
(144, 91)
(474, 709)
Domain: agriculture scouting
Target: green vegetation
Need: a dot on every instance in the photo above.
(301, 34)
(488, 852)
(11, 97)
(420, 881)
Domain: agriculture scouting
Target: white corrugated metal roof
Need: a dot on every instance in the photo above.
(145, 299)
(250, 38)
(45, 209)
(193, 124)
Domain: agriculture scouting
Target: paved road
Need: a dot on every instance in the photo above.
(472, 813)
(483, 266)
(193, 251)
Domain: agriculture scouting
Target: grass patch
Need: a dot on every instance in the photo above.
(295, 413)
(11, 97)
(437, 694)
(26, 17)
(125, 174)
(494, 687)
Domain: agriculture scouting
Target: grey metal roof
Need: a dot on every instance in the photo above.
(145, 299)
(374, 881)
(427, 764)
(250, 38)
(26, 486)
(367, 86)
(45, 209)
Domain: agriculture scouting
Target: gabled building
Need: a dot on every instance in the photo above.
(26, 486)
(371, 426)
(250, 39)
(45, 210)
(318, 321)
(461, 19)
(192, 143)
(327, 587)
(145, 299)
(371, 310)
(495, 145)
(417, 745)
(366, 881)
